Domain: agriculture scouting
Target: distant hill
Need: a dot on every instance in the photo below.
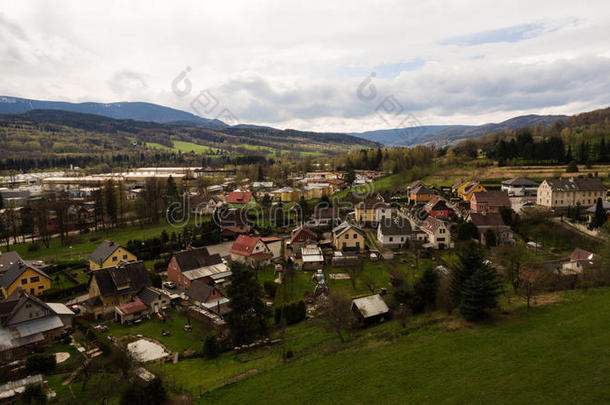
(122, 110)
(449, 134)
(58, 132)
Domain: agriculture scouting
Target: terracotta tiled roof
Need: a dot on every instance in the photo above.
(239, 197)
(489, 219)
(493, 198)
(580, 255)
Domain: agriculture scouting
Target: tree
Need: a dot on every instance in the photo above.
(355, 271)
(474, 285)
(479, 293)
(572, 167)
(531, 281)
(41, 363)
(34, 395)
(152, 393)
(171, 189)
(350, 177)
(402, 313)
(336, 313)
(425, 288)
(110, 201)
(512, 258)
(467, 231)
(599, 218)
(211, 348)
(247, 319)
(490, 238)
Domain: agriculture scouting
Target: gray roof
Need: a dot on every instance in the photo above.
(15, 270)
(193, 259)
(103, 251)
(520, 182)
(7, 259)
(577, 184)
(370, 306)
(122, 279)
(346, 226)
(489, 219)
(148, 295)
(399, 226)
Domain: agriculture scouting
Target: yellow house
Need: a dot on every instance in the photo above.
(348, 237)
(371, 211)
(420, 194)
(22, 275)
(114, 286)
(317, 190)
(286, 194)
(109, 254)
(467, 192)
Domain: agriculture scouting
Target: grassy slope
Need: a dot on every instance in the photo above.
(553, 355)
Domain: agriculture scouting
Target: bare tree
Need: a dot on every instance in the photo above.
(402, 314)
(337, 313)
(355, 271)
(368, 279)
(532, 281)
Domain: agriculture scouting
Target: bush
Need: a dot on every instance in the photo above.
(270, 288)
(34, 247)
(293, 312)
(33, 395)
(41, 363)
(289, 354)
(211, 348)
(152, 393)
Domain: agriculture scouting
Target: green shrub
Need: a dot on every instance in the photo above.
(211, 348)
(41, 363)
(270, 288)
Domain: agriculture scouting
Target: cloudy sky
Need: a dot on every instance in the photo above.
(314, 65)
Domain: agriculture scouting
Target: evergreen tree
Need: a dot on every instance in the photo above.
(172, 189)
(569, 158)
(599, 218)
(350, 177)
(474, 286)
(247, 319)
(479, 292)
(110, 201)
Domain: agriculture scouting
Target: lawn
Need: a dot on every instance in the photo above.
(555, 354)
(83, 244)
(178, 341)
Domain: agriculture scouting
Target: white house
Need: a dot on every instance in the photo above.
(520, 187)
(394, 233)
(437, 233)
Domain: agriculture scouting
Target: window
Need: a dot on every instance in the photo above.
(355, 236)
(24, 281)
(124, 257)
(34, 279)
(114, 258)
(40, 287)
(391, 239)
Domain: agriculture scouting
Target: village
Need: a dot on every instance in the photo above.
(159, 300)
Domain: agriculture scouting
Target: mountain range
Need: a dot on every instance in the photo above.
(440, 135)
(444, 135)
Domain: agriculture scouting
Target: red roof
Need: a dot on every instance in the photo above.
(132, 307)
(244, 245)
(239, 197)
(270, 239)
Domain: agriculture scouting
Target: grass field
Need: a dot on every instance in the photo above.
(181, 146)
(178, 341)
(86, 243)
(554, 354)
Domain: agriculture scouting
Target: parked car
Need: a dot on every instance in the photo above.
(169, 284)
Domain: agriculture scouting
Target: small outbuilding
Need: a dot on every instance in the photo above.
(370, 309)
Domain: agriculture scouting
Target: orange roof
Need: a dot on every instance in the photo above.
(132, 307)
(239, 197)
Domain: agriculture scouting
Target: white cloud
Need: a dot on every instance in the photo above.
(298, 64)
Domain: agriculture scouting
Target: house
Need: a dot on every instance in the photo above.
(112, 286)
(371, 211)
(194, 265)
(311, 257)
(437, 235)
(262, 185)
(251, 250)
(420, 194)
(300, 237)
(520, 187)
(27, 324)
(238, 199)
(233, 223)
(204, 204)
(495, 223)
(274, 244)
(563, 193)
(324, 216)
(348, 237)
(22, 275)
(579, 260)
(208, 297)
(465, 192)
(149, 301)
(286, 194)
(437, 208)
(459, 186)
(490, 201)
(370, 309)
(317, 190)
(394, 233)
(109, 254)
